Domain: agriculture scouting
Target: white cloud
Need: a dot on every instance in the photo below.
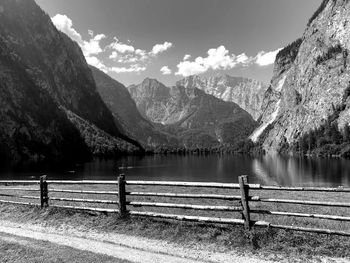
(94, 61)
(65, 24)
(186, 57)
(124, 53)
(120, 52)
(132, 68)
(266, 58)
(160, 48)
(187, 68)
(165, 70)
(218, 58)
(121, 47)
(114, 55)
(221, 59)
(142, 54)
(138, 56)
(91, 47)
(242, 58)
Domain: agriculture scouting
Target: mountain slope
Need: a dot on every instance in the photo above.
(198, 119)
(48, 69)
(311, 80)
(124, 110)
(32, 127)
(247, 93)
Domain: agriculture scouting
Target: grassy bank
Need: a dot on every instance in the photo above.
(209, 237)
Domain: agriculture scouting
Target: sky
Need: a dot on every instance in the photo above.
(171, 39)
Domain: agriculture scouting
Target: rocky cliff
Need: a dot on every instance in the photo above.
(247, 93)
(43, 76)
(311, 80)
(198, 119)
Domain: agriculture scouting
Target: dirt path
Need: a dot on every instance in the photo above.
(16, 249)
(114, 250)
(131, 248)
(135, 249)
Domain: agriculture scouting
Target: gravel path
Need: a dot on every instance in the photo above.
(131, 248)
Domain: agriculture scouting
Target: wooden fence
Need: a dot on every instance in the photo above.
(123, 205)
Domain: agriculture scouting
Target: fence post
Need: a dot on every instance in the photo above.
(44, 199)
(121, 195)
(243, 185)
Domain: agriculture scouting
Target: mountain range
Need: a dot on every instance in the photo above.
(55, 107)
(196, 118)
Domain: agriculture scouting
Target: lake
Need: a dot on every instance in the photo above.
(268, 170)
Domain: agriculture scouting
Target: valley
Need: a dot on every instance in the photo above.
(174, 131)
(89, 113)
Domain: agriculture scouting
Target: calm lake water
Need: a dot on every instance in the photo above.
(268, 170)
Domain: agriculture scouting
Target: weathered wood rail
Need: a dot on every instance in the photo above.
(123, 206)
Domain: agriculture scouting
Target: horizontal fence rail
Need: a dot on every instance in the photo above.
(298, 189)
(184, 184)
(330, 217)
(83, 192)
(84, 200)
(299, 202)
(176, 195)
(119, 199)
(190, 218)
(19, 189)
(186, 206)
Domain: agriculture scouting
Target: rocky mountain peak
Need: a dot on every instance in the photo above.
(247, 93)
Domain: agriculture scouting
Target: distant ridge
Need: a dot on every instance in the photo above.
(247, 93)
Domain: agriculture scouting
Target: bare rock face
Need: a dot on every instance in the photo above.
(247, 93)
(311, 79)
(151, 98)
(198, 119)
(43, 74)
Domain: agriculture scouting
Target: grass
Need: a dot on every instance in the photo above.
(208, 237)
(19, 250)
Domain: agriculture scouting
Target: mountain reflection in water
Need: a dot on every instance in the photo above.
(267, 170)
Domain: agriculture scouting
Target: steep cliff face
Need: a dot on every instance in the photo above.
(247, 93)
(124, 110)
(197, 118)
(43, 75)
(311, 79)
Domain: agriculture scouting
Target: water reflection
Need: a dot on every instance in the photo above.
(302, 171)
(268, 170)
